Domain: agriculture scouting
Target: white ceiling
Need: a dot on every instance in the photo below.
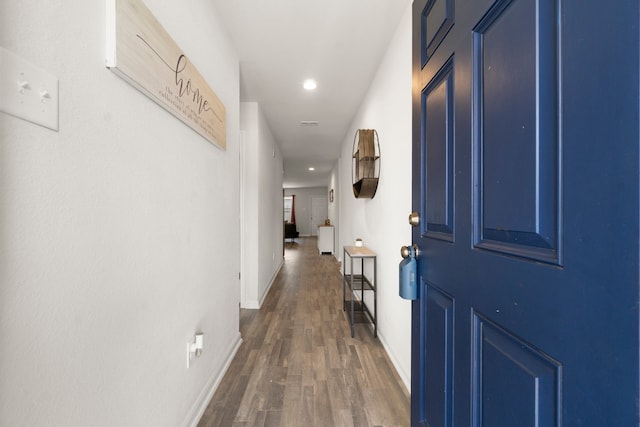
(281, 43)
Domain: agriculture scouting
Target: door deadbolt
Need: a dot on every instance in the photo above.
(414, 219)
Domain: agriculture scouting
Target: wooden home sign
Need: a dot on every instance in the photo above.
(140, 51)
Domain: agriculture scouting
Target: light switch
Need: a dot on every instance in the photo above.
(28, 92)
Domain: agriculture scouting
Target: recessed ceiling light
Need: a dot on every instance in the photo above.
(312, 169)
(309, 84)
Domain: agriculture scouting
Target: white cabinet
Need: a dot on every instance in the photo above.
(325, 239)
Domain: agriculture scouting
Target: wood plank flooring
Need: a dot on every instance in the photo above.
(299, 366)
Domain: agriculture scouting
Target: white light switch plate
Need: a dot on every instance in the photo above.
(27, 91)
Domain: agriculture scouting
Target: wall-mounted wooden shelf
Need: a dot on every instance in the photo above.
(365, 163)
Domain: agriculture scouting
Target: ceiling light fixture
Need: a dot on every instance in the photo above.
(312, 169)
(309, 84)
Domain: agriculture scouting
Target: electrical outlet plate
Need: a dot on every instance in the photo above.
(28, 92)
(195, 348)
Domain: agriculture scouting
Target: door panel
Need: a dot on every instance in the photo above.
(437, 18)
(439, 365)
(525, 173)
(437, 106)
(516, 156)
(514, 383)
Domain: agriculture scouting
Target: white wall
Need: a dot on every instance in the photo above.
(303, 207)
(382, 221)
(262, 212)
(119, 234)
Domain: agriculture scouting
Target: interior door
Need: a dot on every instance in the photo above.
(525, 176)
(318, 213)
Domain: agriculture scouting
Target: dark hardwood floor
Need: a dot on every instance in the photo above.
(299, 366)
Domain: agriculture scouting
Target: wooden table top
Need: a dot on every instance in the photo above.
(359, 252)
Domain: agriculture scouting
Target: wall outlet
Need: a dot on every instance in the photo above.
(195, 348)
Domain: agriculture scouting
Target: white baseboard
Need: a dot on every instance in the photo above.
(201, 403)
(254, 304)
(406, 379)
(251, 305)
(271, 282)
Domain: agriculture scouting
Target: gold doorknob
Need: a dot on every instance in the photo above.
(414, 219)
(405, 251)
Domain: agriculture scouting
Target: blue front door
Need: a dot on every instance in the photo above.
(525, 176)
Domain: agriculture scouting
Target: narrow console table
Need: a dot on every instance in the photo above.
(358, 284)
